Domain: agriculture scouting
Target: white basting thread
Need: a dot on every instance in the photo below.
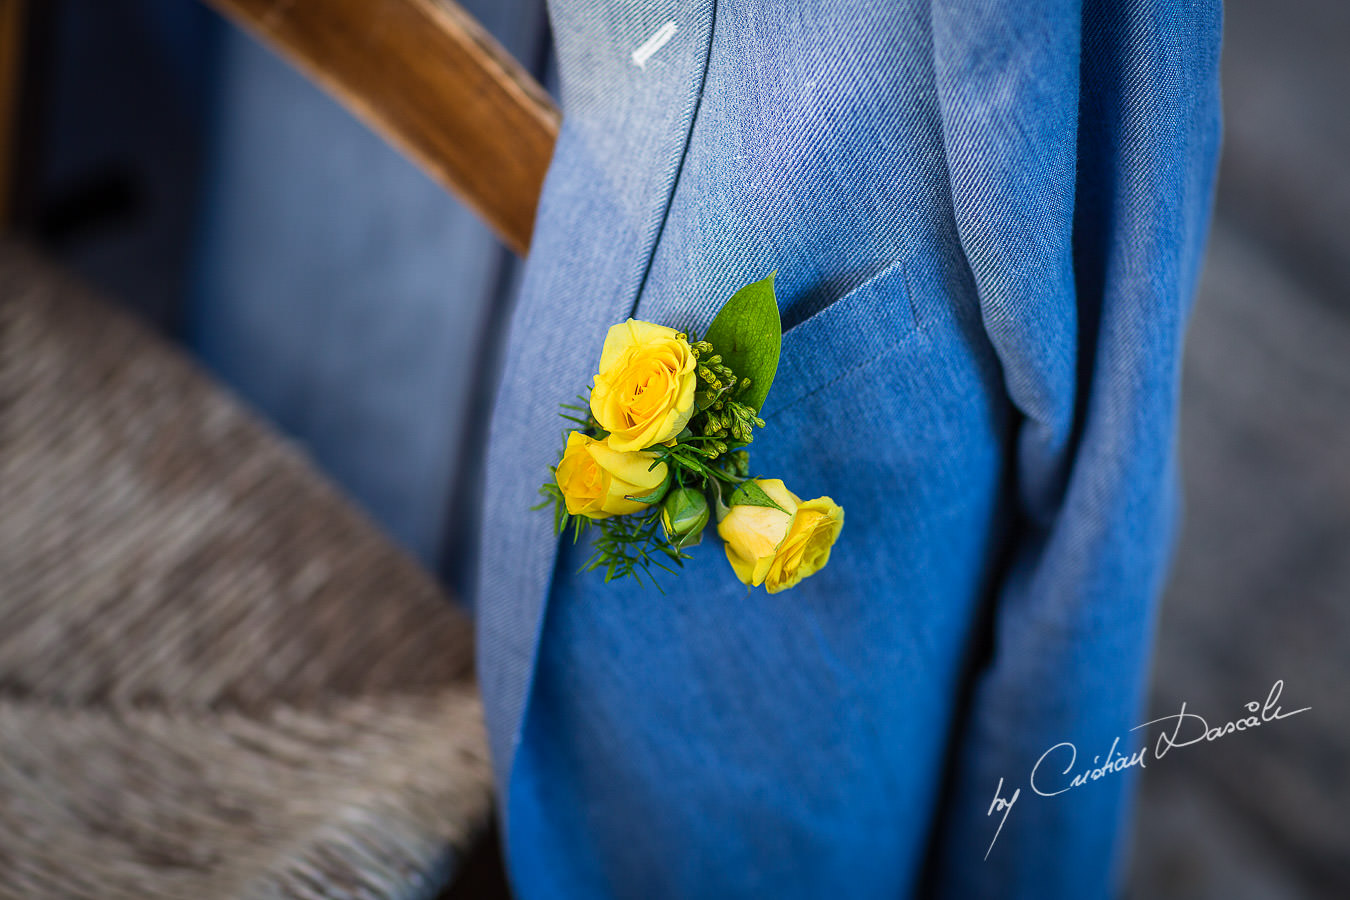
(653, 43)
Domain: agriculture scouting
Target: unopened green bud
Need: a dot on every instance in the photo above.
(683, 514)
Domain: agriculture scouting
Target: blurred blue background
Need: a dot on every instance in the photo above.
(329, 282)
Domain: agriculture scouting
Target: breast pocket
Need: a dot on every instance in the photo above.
(840, 342)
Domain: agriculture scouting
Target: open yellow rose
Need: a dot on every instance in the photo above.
(597, 480)
(644, 392)
(778, 548)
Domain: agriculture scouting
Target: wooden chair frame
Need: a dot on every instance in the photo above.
(428, 78)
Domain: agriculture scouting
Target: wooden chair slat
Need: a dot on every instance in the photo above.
(427, 77)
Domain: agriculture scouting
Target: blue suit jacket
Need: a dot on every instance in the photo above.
(986, 220)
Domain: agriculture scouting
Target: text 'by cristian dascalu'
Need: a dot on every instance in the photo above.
(1054, 773)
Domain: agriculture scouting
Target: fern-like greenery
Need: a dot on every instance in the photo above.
(708, 455)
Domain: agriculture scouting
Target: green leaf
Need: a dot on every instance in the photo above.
(748, 335)
(720, 509)
(751, 494)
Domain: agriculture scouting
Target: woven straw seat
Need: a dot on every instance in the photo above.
(216, 678)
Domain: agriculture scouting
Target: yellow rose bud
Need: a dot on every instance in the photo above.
(597, 480)
(778, 548)
(644, 392)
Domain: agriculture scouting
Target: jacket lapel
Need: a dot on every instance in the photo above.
(625, 130)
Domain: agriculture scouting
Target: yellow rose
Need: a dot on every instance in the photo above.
(597, 480)
(778, 549)
(644, 392)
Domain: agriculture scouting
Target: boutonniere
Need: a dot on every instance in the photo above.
(658, 449)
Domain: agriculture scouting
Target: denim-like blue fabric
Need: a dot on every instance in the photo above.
(986, 220)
